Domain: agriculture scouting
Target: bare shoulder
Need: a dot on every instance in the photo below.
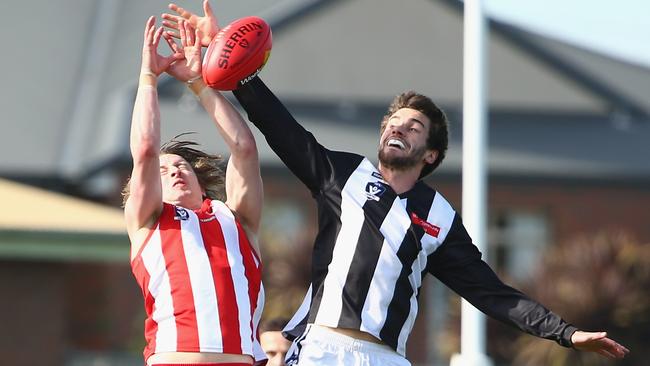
(139, 232)
(138, 239)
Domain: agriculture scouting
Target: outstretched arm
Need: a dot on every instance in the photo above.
(458, 264)
(243, 181)
(145, 192)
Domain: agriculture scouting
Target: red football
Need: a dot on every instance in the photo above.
(237, 54)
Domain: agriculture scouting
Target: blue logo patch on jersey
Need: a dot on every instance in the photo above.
(374, 190)
(181, 214)
(292, 359)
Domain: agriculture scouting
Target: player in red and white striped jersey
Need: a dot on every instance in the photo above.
(194, 256)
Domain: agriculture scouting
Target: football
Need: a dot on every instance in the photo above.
(237, 53)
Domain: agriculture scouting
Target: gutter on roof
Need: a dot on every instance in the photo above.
(63, 246)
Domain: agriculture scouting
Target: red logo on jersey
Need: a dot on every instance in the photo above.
(429, 228)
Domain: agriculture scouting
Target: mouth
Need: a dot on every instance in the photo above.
(178, 183)
(396, 143)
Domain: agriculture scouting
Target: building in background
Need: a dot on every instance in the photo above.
(567, 142)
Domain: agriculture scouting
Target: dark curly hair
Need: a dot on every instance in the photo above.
(207, 167)
(438, 138)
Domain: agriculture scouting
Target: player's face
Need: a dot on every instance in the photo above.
(275, 346)
(180, 184)
(403, 143)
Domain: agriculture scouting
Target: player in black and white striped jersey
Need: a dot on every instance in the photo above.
(381, 229)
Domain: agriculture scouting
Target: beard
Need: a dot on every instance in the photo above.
(401, 162)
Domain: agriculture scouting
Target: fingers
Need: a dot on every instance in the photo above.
(189, 34)
(181, 31)
(197, 36)
(173, 34)
(605, 353)
(171, 18)
(174, 47)
(623, 348)
(609, 348)
(156, 37)
(149, 29)
(180, 11)
(615, 348)
(169, 23)
(207, 9)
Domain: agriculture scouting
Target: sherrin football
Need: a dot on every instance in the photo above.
(237, 53)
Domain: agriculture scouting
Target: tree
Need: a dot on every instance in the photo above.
(597, 283)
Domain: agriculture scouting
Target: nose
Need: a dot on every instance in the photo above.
(174, 171)
(397, 130)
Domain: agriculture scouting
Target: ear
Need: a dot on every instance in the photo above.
(430, 156)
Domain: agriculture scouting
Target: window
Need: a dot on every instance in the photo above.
(517, 239)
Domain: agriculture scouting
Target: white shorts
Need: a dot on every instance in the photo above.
(320, 346)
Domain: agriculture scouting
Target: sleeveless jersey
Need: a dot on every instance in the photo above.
(201, 282)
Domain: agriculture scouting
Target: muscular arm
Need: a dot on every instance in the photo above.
(145, 192)
(243, 180)
(457, 263)
(295, 146)
(244, 189)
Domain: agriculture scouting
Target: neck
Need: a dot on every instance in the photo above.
(400, 180)
(187, 204)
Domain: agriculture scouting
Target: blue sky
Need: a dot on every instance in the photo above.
(619, 28)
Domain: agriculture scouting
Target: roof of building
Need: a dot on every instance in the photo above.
(556, 110)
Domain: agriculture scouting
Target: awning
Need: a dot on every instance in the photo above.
(36, 224)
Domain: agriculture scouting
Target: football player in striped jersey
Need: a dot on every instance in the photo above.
(193, 253)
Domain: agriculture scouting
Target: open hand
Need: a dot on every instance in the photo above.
(206, 25)
(599, 343)
(190, 66)
(152, 61)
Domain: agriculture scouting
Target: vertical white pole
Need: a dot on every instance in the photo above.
(474, 172)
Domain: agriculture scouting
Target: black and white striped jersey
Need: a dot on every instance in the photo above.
(374, 246)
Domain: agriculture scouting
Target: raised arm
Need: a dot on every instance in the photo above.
(243, 181)
(296, 147)
(145, 191)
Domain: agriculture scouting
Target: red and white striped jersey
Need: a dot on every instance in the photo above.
(201, 281)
